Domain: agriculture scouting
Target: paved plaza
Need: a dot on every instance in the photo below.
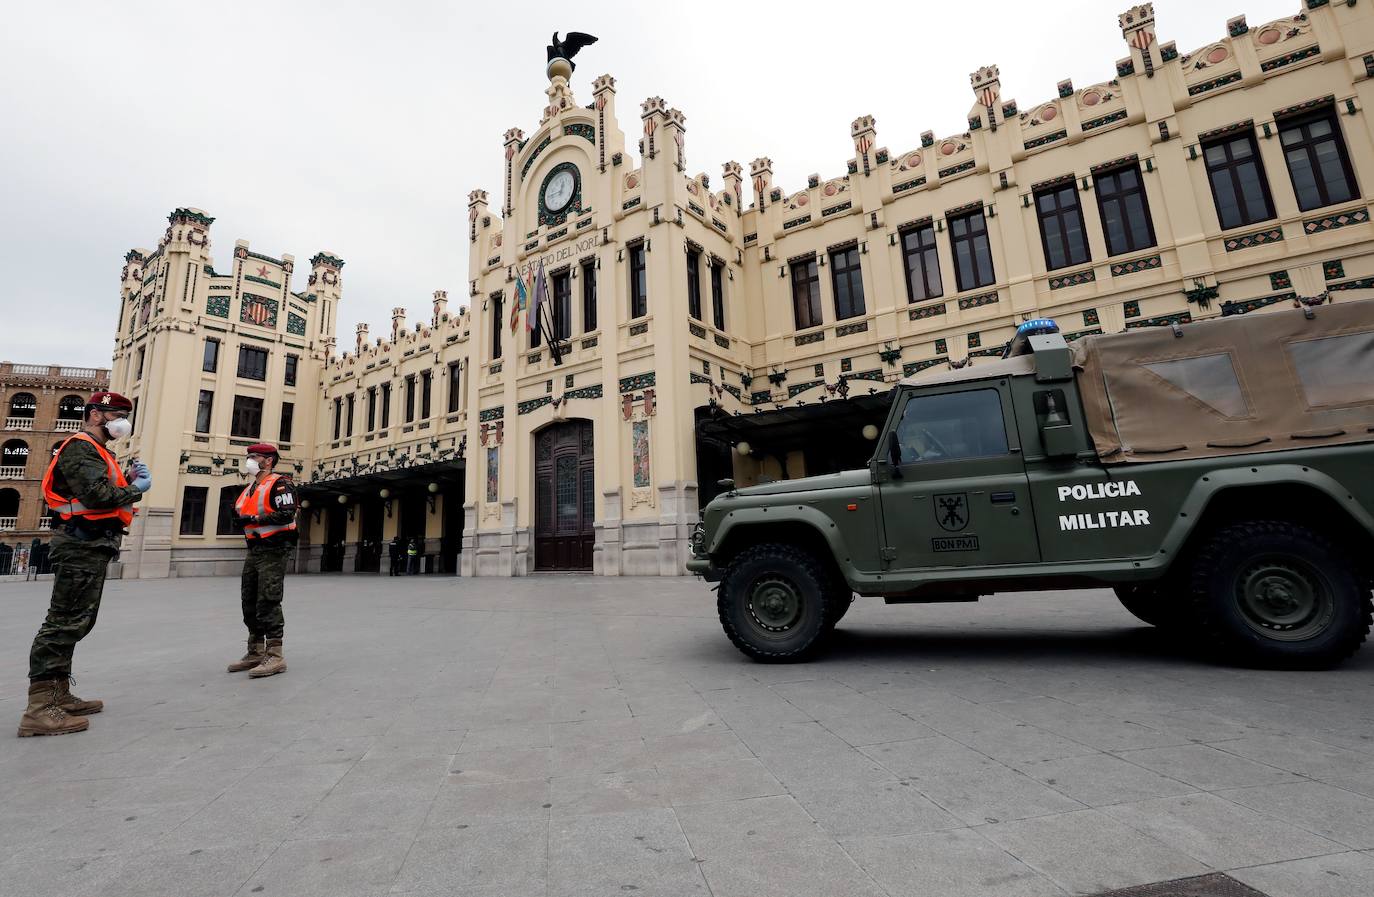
(589, 736)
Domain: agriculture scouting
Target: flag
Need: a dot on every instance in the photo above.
(541, 290)
(518, 303)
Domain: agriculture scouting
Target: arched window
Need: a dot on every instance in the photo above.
(9, 510)
(55, 446)
(23, 407)
(70, 407)
(14, 457)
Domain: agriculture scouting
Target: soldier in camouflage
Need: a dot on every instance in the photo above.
(93, 499)
(267, 510)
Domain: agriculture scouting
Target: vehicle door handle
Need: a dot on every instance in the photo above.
(1003, 498)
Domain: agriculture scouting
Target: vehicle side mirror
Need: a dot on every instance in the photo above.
(894, 454)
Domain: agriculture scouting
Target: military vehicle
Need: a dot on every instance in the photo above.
(1217, 475)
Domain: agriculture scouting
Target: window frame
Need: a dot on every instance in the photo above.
(288, 421)
(192, 519)
(561, 304)
(928, 254)
(348, 416)
(694, 282)
(639, 280)
(497, 301)
(386, 405)
(1308, 144)
(804, 272)
(1231, 166)
(371, 408)
(1115, 193)
(1067, 210)
(455, 386)
(853, 280)
(205, 408)
(976, 238)
(1011, 442)
(410, 399)
(235, 430)
(589, 295)
(209, 356)
(291, 371)
(226, 519)
(247, 370)
(426, 393)
(717, 293)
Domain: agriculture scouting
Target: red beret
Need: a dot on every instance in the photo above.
(111, 401)
(263, 448)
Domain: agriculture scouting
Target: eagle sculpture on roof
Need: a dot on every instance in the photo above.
(569, 46)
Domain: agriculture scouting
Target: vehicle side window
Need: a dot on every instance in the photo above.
(952, 426)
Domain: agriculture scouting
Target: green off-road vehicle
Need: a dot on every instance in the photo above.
(1219, 476)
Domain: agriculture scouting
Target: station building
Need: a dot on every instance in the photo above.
(700, 328)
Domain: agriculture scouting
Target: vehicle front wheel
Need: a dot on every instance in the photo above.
(1153, 603)
(772, 603)
(1278, 594)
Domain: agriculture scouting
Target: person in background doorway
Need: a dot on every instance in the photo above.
(413, 557)
(397, 553)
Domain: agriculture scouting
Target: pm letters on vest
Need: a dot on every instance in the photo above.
(1117, 517)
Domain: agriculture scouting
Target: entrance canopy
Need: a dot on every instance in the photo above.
(830, 434)
(360, 485)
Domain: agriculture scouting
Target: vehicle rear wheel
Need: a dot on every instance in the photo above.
(773, 603)
(1281, 595)
(1154, 603)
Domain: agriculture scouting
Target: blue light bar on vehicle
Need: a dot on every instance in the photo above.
(1020, 343)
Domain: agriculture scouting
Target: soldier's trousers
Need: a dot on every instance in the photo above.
(78, 581)
(264, 575)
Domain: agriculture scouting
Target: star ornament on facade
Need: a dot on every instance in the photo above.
(262, 270)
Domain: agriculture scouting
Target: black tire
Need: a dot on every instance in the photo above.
(773, 603)
(1154, 603)
(1279, 595)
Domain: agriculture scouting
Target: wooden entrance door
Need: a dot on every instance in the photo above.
(564, 477)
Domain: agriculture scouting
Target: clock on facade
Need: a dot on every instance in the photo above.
(559, 189)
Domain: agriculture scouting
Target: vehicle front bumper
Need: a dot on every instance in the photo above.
(703, 567)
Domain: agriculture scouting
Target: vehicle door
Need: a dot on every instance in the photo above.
(954, 491)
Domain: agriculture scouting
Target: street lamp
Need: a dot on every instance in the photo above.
(433, 489)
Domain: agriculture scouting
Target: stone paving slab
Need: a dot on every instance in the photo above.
(574, 735)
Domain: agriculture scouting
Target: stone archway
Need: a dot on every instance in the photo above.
(564, 497)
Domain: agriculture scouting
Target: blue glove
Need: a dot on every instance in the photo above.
(143, 481)
(140, 469)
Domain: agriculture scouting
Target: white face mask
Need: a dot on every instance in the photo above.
(119, 428)
(252, 466)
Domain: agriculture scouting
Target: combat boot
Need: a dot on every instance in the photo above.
(43, 715)
(272, 664)
(255, 656)
(74, 705)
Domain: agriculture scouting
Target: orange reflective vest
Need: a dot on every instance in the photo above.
(69, 507)
(253, 503)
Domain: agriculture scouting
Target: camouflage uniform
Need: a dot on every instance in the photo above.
(81, 551)
(264, 570)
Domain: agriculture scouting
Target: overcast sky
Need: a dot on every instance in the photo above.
(360, 127)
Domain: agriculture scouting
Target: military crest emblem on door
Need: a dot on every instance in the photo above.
(951, 511)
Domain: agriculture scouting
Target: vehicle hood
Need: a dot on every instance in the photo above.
(839, 480)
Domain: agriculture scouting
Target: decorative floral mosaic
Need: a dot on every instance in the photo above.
(638, 381)
(835, 210)
(1259, 238)
(760, 397)
(493, 472)
(807, 338)
(1072, 280)
(926, 311)
(696, 330)
(253, 278)
(585, 131)
(1090, 318)
(1105, 120)
(585, 392)
(1280, 280)
(874, 374)
(1333, 270)
(1181, 317)
(909, 185)
(1124, 68)
(639, 450)
(639, 329)
(797, 389)
(796, 222)
(1363, 283)
(1048, 138)
(850, 329)
(491, 414)
(975, 340)
(533, 404)
(1206, 86)
(1331, 222)
(1136, 265)
(915, 367)
(295, 324)
(534, 155)
(1289, 58)
(722, 341)
(1249, 305)
(968, 302)
(957, 169)
(217, 306)
(1131, 308)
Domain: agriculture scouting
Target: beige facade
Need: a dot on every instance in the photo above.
(1186, 185)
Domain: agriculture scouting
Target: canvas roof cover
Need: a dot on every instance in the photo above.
(1258, 382)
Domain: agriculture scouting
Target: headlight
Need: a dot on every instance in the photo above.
(699, 540)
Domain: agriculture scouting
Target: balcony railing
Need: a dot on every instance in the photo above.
(12, 472)
(66, 426)
(31, 369)
(18, 423)
(8, 524)
(79, 372)
(45, 523)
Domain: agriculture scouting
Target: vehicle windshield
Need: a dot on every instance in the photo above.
(952, 426)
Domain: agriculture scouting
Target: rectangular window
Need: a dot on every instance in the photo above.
(291, 363)
(1317, 159)
(1125, 210)
(348, 418)
(589, 295)
(639, 282)
(338, 417)
(252, 363)
(694, 283)
(371, 408)
(968, 239)
(846, 277)
(288, 414)
(806, 294)
(718, 294)
(386, 405)
(1061, 226)
(228, 522)
(922, 264)
(426, 390)
(138, 369)
(209, 361)
(193, 510)
(247, 422)
(133, 415)
(497, 322)
(1239, 187)
(204, 409)
(952, 426)
(410, 398)
(562, 305)
(454, 383)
